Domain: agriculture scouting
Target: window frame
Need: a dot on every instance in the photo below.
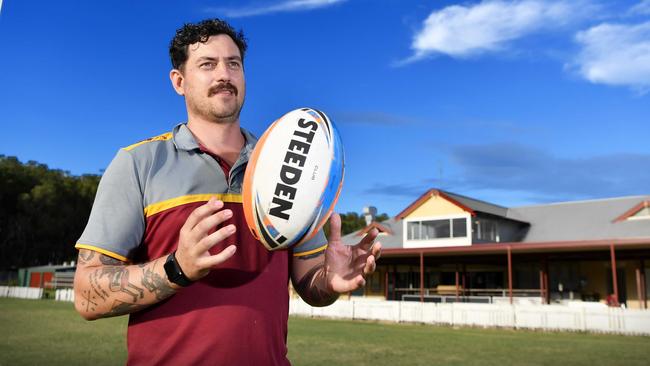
(449, 218)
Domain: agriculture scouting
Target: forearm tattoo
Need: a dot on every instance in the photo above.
(121, 308)
(155, 283)
(105, 282)
(312, 287)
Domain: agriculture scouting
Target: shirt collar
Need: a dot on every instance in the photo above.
(184, 140)
(249, 145)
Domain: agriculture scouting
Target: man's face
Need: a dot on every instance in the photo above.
(213, 80)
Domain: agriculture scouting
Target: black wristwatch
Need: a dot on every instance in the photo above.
(175, 273)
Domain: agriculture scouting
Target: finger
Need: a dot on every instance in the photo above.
(335, 228)
(204, 226)
(360, 261)
(376, 250)
(341, 286)
(362, 264)
(217, 259)
(367, 241)
(370, 265)
(211, 240)
(201, 212)
(360, 281)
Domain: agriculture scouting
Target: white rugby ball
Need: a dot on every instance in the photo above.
(293, 179)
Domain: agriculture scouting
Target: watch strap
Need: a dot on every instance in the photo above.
(175, 272)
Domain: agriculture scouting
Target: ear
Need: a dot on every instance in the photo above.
(176, 78)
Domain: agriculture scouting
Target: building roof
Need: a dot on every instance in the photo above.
(478, 205)
(599, 219)
(387, 239)
(582, 220)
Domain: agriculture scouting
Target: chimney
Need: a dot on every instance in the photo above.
(369, 213)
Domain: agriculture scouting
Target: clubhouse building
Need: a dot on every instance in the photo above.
(445, 247)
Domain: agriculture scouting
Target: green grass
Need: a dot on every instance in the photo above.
(47, 332)
(327, 342)
(39, 332)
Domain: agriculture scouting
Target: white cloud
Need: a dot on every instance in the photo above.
(462, 31)
(285, 6)
(642, 8)
(616, 54)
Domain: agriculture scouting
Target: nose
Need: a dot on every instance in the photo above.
(223, 73)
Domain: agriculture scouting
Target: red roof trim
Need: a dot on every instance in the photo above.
(518, 247)
(425, 197)
(632, 211)
(381, 228)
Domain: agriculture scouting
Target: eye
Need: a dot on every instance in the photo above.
(235, 65)
(207, 65)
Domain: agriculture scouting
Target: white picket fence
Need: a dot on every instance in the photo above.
(21, 292)
(572, 317)
(66, 294)
(543, 317)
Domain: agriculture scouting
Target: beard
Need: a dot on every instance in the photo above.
(215, 110)
(225, 113)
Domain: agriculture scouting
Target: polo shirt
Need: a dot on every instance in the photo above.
(237, 314)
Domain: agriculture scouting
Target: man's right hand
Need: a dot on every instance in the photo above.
(194, 242)
(106, 287)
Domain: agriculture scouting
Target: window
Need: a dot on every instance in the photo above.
(460, 228)
(434, 229)
(437, 229)
(485, 229)
(413, 230)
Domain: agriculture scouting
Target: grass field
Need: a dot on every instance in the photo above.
(42, 332)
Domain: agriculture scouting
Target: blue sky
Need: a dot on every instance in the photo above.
(512, 102)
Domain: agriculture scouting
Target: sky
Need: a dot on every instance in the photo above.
(511, 102)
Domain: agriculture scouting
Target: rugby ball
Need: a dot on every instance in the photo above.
(293, 179)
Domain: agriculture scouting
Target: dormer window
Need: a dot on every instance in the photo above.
(486, 229)
(436, 229)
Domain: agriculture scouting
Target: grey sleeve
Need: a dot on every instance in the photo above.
(116, 224)
(314, 245)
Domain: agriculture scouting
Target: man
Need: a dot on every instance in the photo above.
(166, 241)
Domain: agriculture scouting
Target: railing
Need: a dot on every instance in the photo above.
(66, 294)
(448, 299)
(451, 294)
(35, 293)
(575, 317)
(21, 292)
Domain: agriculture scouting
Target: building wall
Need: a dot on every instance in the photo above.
(436, 206)
(438, 242)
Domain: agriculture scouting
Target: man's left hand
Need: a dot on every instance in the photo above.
(346, 267)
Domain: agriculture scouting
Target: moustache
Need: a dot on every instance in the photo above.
(221, 87)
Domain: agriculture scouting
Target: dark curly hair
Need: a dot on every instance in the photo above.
(200, 32)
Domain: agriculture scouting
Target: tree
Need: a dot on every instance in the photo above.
(42, 212)
(352, 221)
